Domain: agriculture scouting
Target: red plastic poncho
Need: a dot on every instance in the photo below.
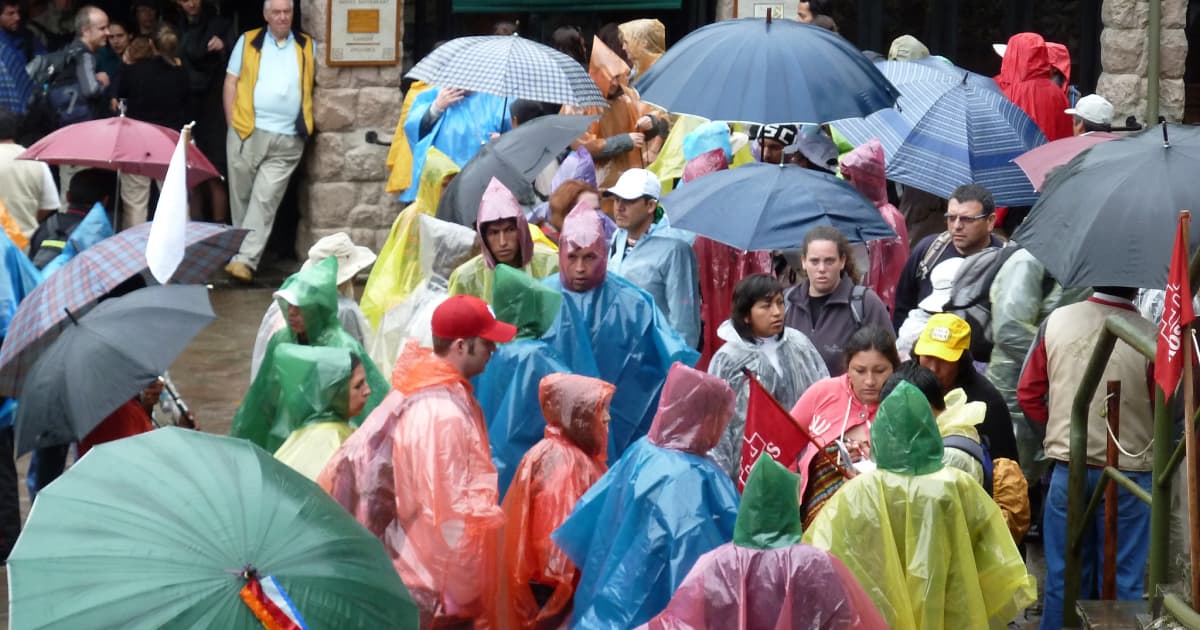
(128, 420)
(418, 474)
(721, 266)
(864, 168)
(1025, 79)
(551, 478)
(1060, 59)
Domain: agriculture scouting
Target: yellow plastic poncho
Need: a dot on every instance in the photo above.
(397, 270)
(399, 158)
(960, 418)
(925, 541)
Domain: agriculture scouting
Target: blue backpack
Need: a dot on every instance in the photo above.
(977, 450)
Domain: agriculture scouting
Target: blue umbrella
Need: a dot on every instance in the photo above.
(762, 71)
(768, 206)
(950, 129)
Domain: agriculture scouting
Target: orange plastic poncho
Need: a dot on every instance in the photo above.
(621, 116)
(551, 478)
(418, 474)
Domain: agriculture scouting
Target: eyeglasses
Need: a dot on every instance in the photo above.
(958, 218)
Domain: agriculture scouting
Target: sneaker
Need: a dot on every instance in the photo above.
(240, 271)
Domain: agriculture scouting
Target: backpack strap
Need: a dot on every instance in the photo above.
(932, 254)
(975, 450)
(856, 304)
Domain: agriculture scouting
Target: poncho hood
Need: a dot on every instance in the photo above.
(905, 437)
(314, 291)
(576, 407)
(316, 380)
(1025, 58)
(705, 164)
(436, 174)
(705, 138)
(418, 367)
(498, 204)
(769, 514)
(577, 165)
(583, 229)
(444, 246)
(645, 41)
(694, 409)
(526, 303)
(864, 166)
(606, 68)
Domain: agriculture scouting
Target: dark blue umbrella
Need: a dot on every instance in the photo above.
(949, 129)
(768, 206)
(761, 71)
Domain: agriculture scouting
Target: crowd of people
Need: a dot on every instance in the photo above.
(572, 412)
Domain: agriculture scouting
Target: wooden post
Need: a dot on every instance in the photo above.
(1108, 590)
(1189, 406)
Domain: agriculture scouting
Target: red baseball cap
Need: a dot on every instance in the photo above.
(466, 316)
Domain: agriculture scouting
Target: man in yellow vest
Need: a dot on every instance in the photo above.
(268, 105)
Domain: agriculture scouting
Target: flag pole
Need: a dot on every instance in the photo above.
(1189, 406)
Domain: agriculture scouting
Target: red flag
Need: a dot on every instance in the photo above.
(1177, 313)
(769, 429)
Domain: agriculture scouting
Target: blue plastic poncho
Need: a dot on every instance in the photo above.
(20, 278)
(664, 264)
(459, 132)
(507, 390)
(637, 532)
(94, 228)
(707, 137)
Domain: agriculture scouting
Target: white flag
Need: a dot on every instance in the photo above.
(168, 233)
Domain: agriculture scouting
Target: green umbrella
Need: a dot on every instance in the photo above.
(157, 531)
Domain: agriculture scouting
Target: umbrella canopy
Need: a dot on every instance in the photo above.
(92, 274)
(1108, 217)
(120, 144)
(110, 355)
(1038, 162)
(509, 66)
(515, 158)
(767, 206)
(763, 71)
(174, 520)
(948, 130)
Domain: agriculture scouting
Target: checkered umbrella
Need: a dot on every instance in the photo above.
(79, 284)
(512, 67)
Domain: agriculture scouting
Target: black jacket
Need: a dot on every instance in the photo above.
(997, 424)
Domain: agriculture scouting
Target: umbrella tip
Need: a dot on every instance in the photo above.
(769, 17)
(1162, 120)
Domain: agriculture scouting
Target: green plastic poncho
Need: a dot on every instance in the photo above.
(314, 290)
(317, 380)
(397, 270)
(926, 542)
(769, 515)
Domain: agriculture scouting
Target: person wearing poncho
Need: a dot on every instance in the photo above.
(864, 169)
(458, 132)
(507, 390)
(610, 329)
(506, 239)
(767, 578)
(637, 532)
(397, 271)
(925, 541)
(1025, 79)
(313, 293)
(539, 580)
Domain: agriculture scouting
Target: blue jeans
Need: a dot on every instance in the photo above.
(1133, 543)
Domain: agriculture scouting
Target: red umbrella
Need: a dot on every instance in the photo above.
(120, 144)
(1038, 162)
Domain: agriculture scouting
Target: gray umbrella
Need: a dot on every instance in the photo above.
(104, 359)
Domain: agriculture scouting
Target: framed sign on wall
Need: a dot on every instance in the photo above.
(362, 33)
(778, 9)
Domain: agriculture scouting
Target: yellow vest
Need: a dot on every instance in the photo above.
(243, 103)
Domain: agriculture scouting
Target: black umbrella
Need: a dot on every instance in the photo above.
(514, 158)
(103, 359)
(1107, 218)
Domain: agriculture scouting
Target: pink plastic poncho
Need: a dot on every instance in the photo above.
(721, 266)
(583, 230)
(498, 204)
(551, 478)
(864, 167)
(418, 474)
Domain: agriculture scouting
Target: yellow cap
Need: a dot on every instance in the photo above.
(945, 336)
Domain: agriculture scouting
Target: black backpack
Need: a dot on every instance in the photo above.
(57, 99)
(51, 237)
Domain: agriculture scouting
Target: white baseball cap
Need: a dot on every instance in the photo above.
(636, 183)
(1093, 108)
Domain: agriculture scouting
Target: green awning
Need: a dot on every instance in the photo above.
(559, 6)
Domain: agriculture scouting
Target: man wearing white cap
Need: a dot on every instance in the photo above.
(1092, 113)
(351, 260)
(648, 253)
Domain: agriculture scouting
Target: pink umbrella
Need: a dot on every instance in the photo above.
(120, 144)
(1038, 162)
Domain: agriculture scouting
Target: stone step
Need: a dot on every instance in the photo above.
(1110, 615)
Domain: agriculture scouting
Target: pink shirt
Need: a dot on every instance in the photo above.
(828, 409)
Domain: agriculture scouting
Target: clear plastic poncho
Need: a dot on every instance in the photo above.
(507, 390)
(925, 541)
(443, 246)
(637, 532)
(614, 332)
(417, 474)
(551, 478)
(314, 291)
(766, 578)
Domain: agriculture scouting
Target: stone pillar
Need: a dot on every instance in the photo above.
(1123, 45)
(342, 185)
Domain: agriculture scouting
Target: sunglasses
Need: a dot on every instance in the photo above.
(957, 218)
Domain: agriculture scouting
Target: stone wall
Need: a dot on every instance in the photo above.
(343, 177)
(1123, 45)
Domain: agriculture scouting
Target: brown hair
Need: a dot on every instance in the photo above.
(140, 49)
(830, 233)
(564, 198)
